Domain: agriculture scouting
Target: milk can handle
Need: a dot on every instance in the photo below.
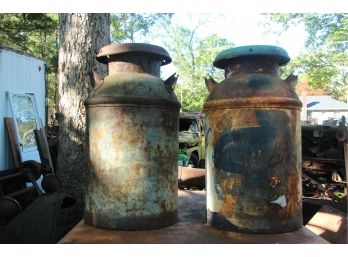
(96, 81)
(171, 82)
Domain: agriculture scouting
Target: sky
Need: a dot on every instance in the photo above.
(246, 29)
(197, 6)
(239, 23)
(240, 29)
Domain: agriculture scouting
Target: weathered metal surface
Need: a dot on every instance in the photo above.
(133, 143)
(122, 50)
(37, 223)
(191, 228)
(223, 58)
(9, 208)
(12, 182)
(253, 145)
(323, 162)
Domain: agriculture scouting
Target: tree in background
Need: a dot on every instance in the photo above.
(126, 27)
(193, 58)
(34, 34)
(81, 36)
(325, 62)
(37, 34)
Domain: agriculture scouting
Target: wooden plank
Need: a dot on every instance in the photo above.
(42, 145)
(191, 228)
(191, 177)
(13, 141)
(331, 224)
(323, 160)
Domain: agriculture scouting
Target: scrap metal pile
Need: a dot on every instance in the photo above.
(323, 162)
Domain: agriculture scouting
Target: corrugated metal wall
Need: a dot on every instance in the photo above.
(18, 74)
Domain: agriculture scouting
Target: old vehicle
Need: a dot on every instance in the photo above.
(191, 138)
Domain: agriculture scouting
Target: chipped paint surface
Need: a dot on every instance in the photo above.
(133, 145)
(133, 167)
(253, 158)
(281, 201)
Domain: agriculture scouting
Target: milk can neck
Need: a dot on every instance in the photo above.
(251, 64)
(134, 64)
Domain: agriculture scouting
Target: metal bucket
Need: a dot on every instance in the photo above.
(132, 118)
(253, 143)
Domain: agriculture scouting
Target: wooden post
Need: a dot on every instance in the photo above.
(44, 151)
(13, 141)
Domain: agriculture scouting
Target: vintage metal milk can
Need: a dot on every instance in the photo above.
(132, 118)
(253, 143)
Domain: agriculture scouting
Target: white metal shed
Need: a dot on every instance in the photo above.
(19, 74)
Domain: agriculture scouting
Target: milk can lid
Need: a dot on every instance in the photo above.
(120, 49)
(251, 50)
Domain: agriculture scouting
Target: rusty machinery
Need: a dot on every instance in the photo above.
(15, 195)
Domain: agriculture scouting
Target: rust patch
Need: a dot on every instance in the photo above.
(254, 120)
(230, 119)
(294, 118)
(229, 203)
(133, 162)
(228, 206)
(274, 181)
(293, 196)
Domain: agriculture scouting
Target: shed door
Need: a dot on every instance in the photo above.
(26, 119)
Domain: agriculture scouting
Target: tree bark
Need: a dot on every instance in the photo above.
(80, 38)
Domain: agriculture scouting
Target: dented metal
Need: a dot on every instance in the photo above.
(133, 142)
(253, 144)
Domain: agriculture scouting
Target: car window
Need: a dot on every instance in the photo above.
(184, 125)
(193, 127)
(188, 125)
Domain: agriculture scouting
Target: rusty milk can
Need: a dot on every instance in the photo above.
(132, 118)
(253, 143)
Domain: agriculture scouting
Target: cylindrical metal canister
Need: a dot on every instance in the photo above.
(253, 143)
(132, 119)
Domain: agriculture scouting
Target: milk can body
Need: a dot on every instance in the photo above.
(132, 120)
(253, 144)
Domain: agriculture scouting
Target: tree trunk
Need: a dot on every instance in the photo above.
(81, 36)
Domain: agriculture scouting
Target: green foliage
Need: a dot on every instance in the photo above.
(323, 29)
(125, 26)
(52, 84)
(37, 34)
(325, 63)
(17, 30)
(34, 34)
(193, 58)
(338, 90)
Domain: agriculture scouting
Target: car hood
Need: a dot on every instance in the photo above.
(188, 138)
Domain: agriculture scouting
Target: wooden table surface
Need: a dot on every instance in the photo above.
(190, 229)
